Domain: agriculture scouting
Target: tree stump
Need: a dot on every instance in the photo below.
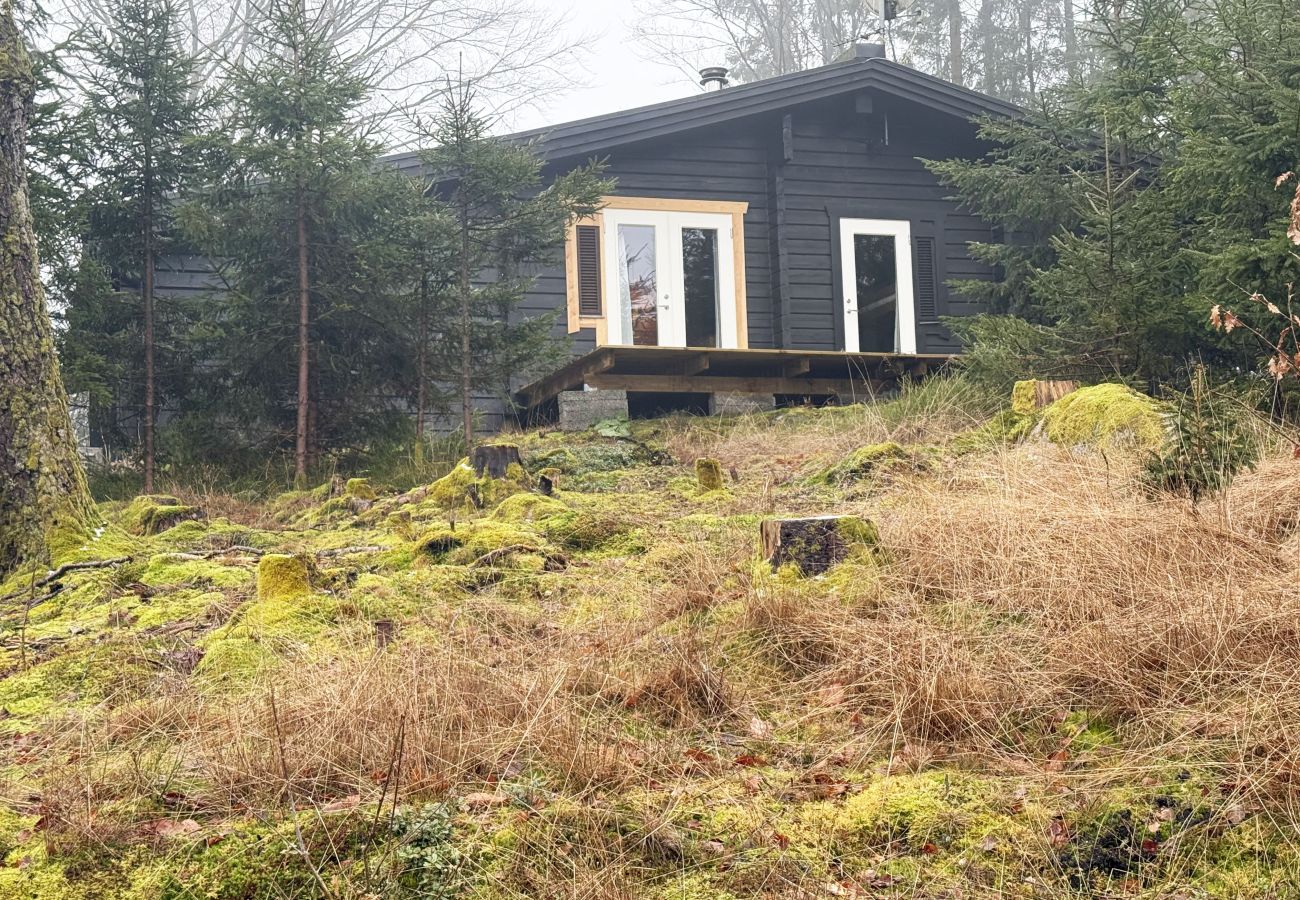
(816, 544)
(494, 460)
(708, 472)
(548, 481)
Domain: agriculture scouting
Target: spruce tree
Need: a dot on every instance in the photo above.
(42, 488)
(501, 220)
(304, 221)
(144, 111)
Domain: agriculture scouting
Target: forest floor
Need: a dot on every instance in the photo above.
(1040, 682)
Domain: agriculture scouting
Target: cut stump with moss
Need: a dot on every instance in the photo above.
(281, 577)
(495, 460)
(814, 545)
(1028, 397)
(708, 472)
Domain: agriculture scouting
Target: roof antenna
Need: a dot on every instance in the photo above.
(714, 78)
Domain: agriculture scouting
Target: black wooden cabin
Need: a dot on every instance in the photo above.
(776, 239)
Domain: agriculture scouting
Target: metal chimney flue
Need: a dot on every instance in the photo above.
(714, 78)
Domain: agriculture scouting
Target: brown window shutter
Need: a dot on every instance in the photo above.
(927, 304)
(588, 241)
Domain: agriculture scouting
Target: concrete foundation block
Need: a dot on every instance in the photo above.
(736, 403)
(580, 410)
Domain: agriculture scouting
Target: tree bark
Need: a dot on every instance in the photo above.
(987, 39)
(1071, 41)
(955, 72)
(466, 399)
(304, 356)
(147, 295)
(421, 366)
(42, 486)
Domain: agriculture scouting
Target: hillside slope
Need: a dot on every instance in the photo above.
(1042, 683)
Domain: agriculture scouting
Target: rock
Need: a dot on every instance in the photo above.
(816, 544)
(708, 472)
(283, 578)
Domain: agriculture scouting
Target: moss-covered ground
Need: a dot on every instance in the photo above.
(1040, 682)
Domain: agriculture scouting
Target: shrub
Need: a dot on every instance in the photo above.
(1208, 443)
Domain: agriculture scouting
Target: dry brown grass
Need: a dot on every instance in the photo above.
(1017, 589)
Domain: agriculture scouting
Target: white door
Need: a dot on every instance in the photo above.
(876, 271)
(671, 277)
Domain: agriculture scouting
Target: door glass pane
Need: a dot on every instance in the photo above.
(638, 278)
(700, 283)
(877, 281)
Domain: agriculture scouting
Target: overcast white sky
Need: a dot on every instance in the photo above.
(616, 75)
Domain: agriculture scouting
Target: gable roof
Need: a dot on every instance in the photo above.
(863, 69)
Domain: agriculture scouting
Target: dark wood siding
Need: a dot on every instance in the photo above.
(800, 173)
(841, 167)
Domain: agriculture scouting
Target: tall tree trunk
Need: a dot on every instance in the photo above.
(466, 399)
(422, 366)
(955, 73)
(304, 355)
(1071, 41)
(147, 292)
(988, 40)
(42, 486)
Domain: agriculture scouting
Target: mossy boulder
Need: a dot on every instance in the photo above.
(468, 542)
(874, 460)
(151, 514)
(284, 578)
(1106, 416)
(528, 507)
(462, 487)
(360, 489)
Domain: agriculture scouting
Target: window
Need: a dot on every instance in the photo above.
(665, 273)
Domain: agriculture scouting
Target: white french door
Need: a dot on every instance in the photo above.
(876, 272)
(670, 277)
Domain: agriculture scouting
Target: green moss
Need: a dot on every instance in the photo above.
(874, 460)
(1107, 416)
(168, 570)
(469, 541)
(360, 489)
(1024, 398)
(949, 811)
(283, 578)
(234, 659)
(528, 507)
(1005, 428)
(708, 472)
(453, 490)
(153, 514)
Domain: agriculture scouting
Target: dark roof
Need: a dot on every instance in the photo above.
(860, 71)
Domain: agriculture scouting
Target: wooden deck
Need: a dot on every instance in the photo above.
(678, 370)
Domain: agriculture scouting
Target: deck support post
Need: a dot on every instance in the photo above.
(739, 403)
(579, 410)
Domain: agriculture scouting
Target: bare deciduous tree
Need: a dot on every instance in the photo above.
(511, 50)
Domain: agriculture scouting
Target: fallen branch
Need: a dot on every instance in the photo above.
(347, 551)
(56, 574)
(492, 556)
